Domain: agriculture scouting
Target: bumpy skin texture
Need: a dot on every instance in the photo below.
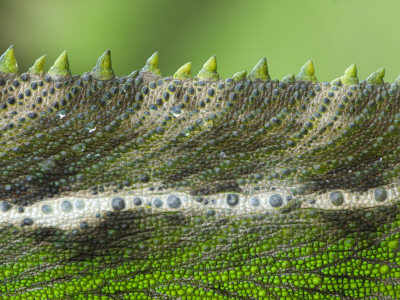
(318, 161)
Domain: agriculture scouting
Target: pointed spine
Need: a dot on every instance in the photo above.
(397, 81)
(152, 65)
(134, 73)
(103, 69)
(209, 70)
(239, 76)
(38, 66)
(8, 63)
(61, 66)
(376, 77)
(307, 72)
(350, 76)
(260, 71)
(290, 78)
(184, 72)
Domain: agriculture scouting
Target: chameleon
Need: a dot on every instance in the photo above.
(196, 187)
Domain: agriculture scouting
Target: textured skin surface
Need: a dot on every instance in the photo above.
(205, 188)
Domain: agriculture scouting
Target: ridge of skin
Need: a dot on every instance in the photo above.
(144, 187)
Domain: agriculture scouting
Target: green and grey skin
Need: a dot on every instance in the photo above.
(144, 187)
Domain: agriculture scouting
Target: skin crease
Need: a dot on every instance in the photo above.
(144, 187)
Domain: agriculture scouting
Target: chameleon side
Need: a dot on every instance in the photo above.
(144, 187)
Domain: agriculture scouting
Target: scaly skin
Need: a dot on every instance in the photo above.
(143, 187)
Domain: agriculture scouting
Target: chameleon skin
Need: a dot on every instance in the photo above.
(291, 186)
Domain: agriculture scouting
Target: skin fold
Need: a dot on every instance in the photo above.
(151, 187)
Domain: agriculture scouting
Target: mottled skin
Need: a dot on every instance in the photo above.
(332, 147)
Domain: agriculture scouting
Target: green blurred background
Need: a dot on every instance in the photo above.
(332, 33)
